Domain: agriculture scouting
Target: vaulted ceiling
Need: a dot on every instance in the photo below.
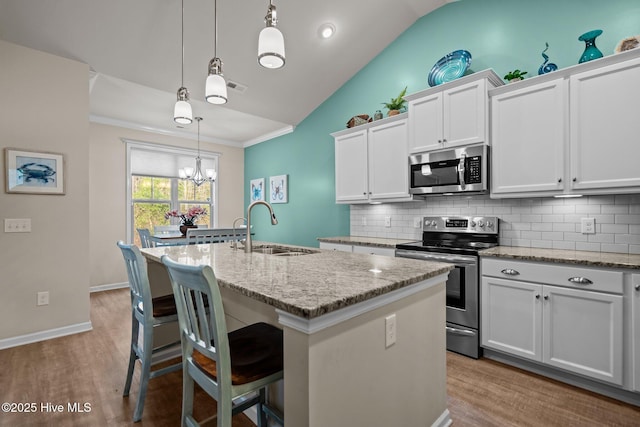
(133, 49)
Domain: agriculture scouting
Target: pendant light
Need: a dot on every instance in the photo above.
(271, 42)
(216, 87)
(182, 113)
(196, 174)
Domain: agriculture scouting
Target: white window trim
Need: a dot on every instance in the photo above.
(133, 144)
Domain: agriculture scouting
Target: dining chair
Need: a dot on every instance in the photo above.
(225, 364)
(146, 312)
(197, 236)
(145, 237)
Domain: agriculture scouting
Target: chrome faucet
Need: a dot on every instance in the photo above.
(247, 245)
(234, 243)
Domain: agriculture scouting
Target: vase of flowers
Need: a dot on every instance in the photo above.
(187, 219)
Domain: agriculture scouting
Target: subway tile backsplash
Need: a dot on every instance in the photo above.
(534, 222)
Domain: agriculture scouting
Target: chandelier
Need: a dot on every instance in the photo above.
(196, 175)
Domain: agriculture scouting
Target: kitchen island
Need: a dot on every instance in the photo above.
(341, 365)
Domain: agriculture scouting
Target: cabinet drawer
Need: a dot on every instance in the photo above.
(374, 250)
(555, 274)
(336, 247)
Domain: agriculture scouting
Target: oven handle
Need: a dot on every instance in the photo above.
(463, 332)
(431, 256)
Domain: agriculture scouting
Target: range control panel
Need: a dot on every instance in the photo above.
(461, 224)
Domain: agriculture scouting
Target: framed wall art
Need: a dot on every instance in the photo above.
(278, 189)
(33, 172)
(257, 189)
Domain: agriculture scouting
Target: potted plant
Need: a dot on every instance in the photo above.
(187, 219)
(515, 75)
(396, 103)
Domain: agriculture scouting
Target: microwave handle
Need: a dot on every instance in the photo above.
(461, 165)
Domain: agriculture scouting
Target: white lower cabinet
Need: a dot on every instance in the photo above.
(359, 249)
(336, 247)
(635, 331)
(566, 327)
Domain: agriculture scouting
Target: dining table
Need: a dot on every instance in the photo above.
(175, 237)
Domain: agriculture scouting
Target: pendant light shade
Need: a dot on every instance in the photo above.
(216, 87)
(182, 113)
(271, 42)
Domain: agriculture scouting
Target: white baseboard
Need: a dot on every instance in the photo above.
(108, 287)
(444, 420)
(45, 335)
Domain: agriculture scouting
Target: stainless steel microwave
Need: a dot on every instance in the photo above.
(450, 171)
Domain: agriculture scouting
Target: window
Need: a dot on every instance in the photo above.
(155, 189)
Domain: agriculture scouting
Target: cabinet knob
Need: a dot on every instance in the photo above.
(637, 287)
(365, 193)
(559, 180)
(439, 141)
(546, 297)
(574, 179)
(444, 140)
(537, 296)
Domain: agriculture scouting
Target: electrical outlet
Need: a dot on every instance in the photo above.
(417, 222)
(588, 226)
(43, 298)
(364, 221)
(387, 221)
(390, 330)
(18, 225)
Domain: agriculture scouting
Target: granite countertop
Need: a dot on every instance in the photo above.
(364, 241)
(308, 285)
(586, 258)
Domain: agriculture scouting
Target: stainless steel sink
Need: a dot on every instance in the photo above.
(283, 251)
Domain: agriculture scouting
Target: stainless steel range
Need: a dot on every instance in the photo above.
(457, 240)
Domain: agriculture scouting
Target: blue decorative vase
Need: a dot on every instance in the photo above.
(590, 50)
(546, 66)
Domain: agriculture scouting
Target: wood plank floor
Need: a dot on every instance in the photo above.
(90, 368)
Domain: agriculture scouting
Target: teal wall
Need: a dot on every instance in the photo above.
(503, 35)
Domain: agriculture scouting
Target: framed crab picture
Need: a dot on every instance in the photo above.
(33, 172)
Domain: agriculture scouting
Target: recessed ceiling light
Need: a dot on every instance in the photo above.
(326, 30)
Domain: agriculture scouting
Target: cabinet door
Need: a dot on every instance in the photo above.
(605, 127)
(511, 317)
(582, 332)
(635, 331)
(528, 139)
(388, 161)
(465, 114)
(425, 123)
(351, 167)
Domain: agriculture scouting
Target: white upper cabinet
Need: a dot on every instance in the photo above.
(452, 114)
(573, 131)
(605, 127)
(351, 167)
(527, 142)
(372, 162)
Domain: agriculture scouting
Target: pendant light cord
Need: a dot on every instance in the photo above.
(215, 35)
(182, 71)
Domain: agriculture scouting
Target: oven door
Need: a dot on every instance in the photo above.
(462, 299)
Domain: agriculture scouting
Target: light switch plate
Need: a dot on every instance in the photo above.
(588, 226)
(390, 330)
(387, 221)
(417, 222)
(17, 225)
